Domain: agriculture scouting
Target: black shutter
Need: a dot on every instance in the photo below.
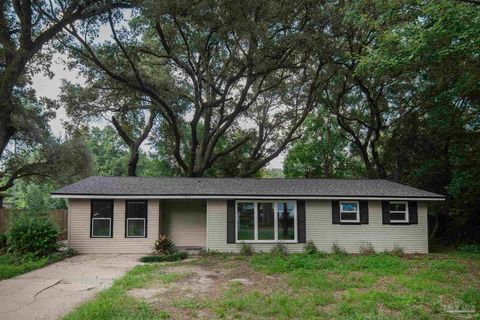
(230, 221)
(363, 212)
(386, 212)
(301, 225)
(412, 212)
(335, 212)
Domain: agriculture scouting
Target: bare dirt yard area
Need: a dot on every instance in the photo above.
(296, 286)
(183, 290)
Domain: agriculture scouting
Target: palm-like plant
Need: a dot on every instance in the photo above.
(164, 245)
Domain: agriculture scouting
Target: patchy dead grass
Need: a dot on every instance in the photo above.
(198, 283)
(302, 286)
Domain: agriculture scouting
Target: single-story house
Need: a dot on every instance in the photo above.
(127, 214)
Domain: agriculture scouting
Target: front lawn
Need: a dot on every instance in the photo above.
(299, 286)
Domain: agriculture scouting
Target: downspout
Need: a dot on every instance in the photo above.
(68, 221)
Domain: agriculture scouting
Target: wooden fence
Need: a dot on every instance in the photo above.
(59, 218)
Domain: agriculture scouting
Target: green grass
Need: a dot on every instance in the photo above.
(137, 277)
(300, 286)
(12, 266)
(187, 303)
(171, 277)
(115, 303)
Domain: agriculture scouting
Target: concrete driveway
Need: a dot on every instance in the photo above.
(53, 291)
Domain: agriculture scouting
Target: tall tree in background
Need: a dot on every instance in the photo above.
(364, 105)
(38, 154)
(129, 114)
(407, 96)
(236, 71)
(322, 152)
(436, 147)
(25, 27)
(109, 152)
(229, 165)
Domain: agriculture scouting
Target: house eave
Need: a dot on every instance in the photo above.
(299, 197)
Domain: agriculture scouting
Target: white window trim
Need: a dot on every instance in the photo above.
(109, 227)
(255, 221)
(144, 227)
(357, 212)
(400, 211)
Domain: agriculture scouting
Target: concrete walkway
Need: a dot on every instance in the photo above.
(53, 291)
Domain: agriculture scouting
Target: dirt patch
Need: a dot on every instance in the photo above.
(188, 297)
(389, 284)
(384, 310)
(146, 294)
(474, 272)
(202, 281)
(243, 281)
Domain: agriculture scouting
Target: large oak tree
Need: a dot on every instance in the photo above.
(132, 117)
(25, 27)
(235, 75)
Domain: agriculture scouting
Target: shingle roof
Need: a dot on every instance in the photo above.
(241, 187)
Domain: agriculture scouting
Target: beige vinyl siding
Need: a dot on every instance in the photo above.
(79, 224)
(319, 228)
(185, 222)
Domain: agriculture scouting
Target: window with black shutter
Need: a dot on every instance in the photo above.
(349, 212)
(101, 219)
(399, 212)
(264, 221)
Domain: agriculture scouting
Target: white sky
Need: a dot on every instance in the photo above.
(50, 88)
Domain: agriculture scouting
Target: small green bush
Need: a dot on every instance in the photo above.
(367, 249)
(279, 249)
(310, 248)
(176, 256)
(164, 245)
(336, 249)
(397, 251)
(246, 249)
(34, 235)
(214, 253)
(210, 253)
(70, 252)
(470, 248)
(321, 254)
(3, 243)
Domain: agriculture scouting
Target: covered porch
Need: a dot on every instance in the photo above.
(185, 222)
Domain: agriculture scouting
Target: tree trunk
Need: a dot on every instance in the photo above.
(433, 233)
(133, 161)
(380, 168)
(6, 132)
(134, 143)
(7, 129)
(371, 173)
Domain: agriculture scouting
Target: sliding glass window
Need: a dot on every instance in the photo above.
(266, 221)
(286, 220)
(245, 221)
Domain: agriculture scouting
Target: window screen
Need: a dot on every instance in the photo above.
(136, 219)
(101, 219)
